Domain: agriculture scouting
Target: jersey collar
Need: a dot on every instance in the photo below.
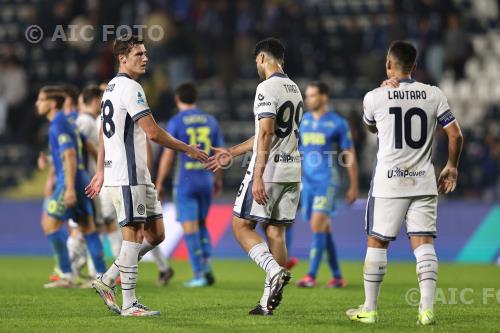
(278, 74)
(123, 75)
(406, 81)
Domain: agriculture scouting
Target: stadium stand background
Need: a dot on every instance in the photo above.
(211, 42)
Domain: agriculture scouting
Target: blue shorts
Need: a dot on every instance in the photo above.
(192, 204)
(318, 197)
(55, 204)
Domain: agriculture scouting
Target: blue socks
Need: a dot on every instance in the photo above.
(193, 243)
(332, 257)
(206, 247)
(58, 241)
(317, 249)
(289, 239)
(96, 250)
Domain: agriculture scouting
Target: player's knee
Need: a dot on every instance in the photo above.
(155, 238)
(49, 225)
(377, 243)
(240, 226)
(275, 234)
(190, 227)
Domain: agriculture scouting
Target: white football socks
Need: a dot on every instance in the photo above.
(265, 294)
(262, 256)
(373, 274)
(113, 272)
(427, 269)
(128, 271)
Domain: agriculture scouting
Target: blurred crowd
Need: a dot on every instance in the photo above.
(213, 40)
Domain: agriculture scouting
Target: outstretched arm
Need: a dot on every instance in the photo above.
(222, 157)
(158, 135)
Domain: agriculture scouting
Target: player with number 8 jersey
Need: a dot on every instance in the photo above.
(122, 166)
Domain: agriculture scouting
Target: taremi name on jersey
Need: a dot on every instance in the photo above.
(280, 98)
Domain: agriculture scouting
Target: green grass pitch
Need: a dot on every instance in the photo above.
(27, 307)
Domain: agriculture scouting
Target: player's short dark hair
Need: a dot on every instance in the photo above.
(72, 92)
(272, 46)
(90, 92)
(55, 93)
(125, 43)
(187, 93)
(405, 54)
(322, 87)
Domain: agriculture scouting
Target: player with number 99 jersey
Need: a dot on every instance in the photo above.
(280, 98)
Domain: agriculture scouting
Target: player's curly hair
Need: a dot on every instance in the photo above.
(272, 46)
(124, 43)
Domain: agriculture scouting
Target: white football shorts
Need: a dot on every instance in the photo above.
(384, 216)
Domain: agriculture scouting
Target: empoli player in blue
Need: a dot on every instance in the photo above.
(325, 140)
(68, 199)
(193, 185)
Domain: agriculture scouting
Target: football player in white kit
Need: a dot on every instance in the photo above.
(122, 166)
(404, 114)
(88, 115)
(270, 190)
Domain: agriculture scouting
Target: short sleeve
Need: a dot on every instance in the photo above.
(62, 136)
(218, 138)
(444, 114)
(135, 101)
(368, 108)
(345, 138)
(171, 128)
(266, 103)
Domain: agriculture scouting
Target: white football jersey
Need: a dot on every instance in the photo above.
(406, 119)
(125, 161)
(280, 98)
(86, 125)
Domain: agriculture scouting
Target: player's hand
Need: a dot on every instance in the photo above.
(259, 191)
(217, 187)
(351, 195)
(221, 158)
(447, 180)
(95, 185)
(392, 83)
(69, 197)
(196, 153)
(42, 161)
